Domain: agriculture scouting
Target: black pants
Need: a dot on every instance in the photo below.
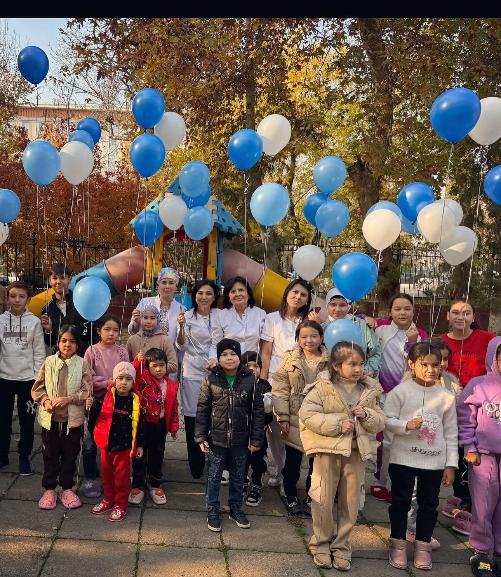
(292, 471)
(460, 484)
(257, 463)
(150, 464)
(60, 451)
(26, 410)
(196, 459)
(402, 486)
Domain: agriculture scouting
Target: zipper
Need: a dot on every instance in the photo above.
(230, 418)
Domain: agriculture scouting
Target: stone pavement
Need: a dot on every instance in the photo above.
(173, 540)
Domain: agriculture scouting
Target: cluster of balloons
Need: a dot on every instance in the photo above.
(246, 146)
(91, 297)
(10, 205)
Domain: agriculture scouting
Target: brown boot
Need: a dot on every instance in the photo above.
(398, 553)
(422, 555)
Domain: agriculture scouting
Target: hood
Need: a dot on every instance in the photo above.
(490, 355)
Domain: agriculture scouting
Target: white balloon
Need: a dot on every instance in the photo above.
(458, 245)
(171, 129)
(488, 127)
(172, 211)
(381, 228)
(456, 209)
(275, 130)
(308, 261)
(4, 232)
(435, 220)
(77, 161)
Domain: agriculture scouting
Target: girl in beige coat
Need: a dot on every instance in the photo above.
(299, 367)
(335, 421)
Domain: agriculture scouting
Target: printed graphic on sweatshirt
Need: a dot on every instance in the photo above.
(427, 434)
(493, 410)
(16, 337)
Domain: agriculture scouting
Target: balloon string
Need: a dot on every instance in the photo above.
(246, 192)
(265, 255)
(375, 294)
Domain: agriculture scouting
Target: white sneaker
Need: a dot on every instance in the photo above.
(225, 478)
(136, 496)
(158, 496)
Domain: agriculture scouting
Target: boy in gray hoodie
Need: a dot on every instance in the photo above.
(22, 352)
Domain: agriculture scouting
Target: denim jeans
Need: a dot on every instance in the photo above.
(89, 454)
(237, 457)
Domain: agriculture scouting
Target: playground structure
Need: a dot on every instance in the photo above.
(137, 264)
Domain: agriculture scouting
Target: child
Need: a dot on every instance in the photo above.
(299, 367)
(22, 352)
(101, 358)
(160, 416)
(229, 422)
(479, 410)
(63, 384)
(60, 310)
(395, 339)
(421, 414)
(336, 418)
(151, 336)
(256, 461)
(117, 435)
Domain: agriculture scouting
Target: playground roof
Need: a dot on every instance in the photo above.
(223, 219)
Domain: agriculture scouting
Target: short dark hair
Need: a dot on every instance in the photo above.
(422, 349)
(251, 357)
(440, 344)
(197, 286)
(107, 317)
(230, 284)
(19, 284)
(401, 296)
(309, 324)
(153, 355)
(305, 309)
(60, 269)
(72, 329)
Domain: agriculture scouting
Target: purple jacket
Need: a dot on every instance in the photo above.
(479, 408)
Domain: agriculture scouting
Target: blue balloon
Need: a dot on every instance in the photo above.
(148, 227)
(245, 148)
(332, 217)
(492, 184)
(148, 107)
(198, 222)
(91, 297)
(408, 227)
(355, 275)
(33, 64)
(269, 203)
(200, 200)
(194, 178)
(413, 197)
(343, 330)
(312, 204)
(10, 205)
(329, 174)
(82, 136)
(386, 204)
(147, 154)
(454, 113)
(41, 162)
(92, 126)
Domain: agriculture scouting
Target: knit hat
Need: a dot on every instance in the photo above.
(230, 344)
(124, 368)
(334, 292)
(168, 272)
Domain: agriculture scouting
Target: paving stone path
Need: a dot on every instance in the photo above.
(173, 540)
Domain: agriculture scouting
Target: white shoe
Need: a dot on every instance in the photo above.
(136, 496)
(225, 478)
(158, 496)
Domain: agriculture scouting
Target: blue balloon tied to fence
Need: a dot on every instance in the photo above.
(91, 297)
(269, 203)
(148, 107)
(33, 64)
(386, 204)
(41, 162)
(312, 204)
(194, 178)
(355, 275)
(148, 227)
(413, 197)
(454, 113)
(343, 330)
(10, 205)
(332, 218)
(492, 184)
(92, 126)
(82, 136)
(147, 154)
(198, 222)
(329, 174)
(245, 148)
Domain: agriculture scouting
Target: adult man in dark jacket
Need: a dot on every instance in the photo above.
(229, 422)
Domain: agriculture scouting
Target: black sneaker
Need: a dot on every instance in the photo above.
(293, 506)
(240, 519)
(481, 565)
(214, 523)
(307, 506)
(254, 496)
(25, 467)
(496, 565)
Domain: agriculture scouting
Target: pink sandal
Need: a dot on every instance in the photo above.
(48, 500)
(70, 500)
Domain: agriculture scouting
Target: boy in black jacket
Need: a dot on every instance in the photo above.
(229, 423)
